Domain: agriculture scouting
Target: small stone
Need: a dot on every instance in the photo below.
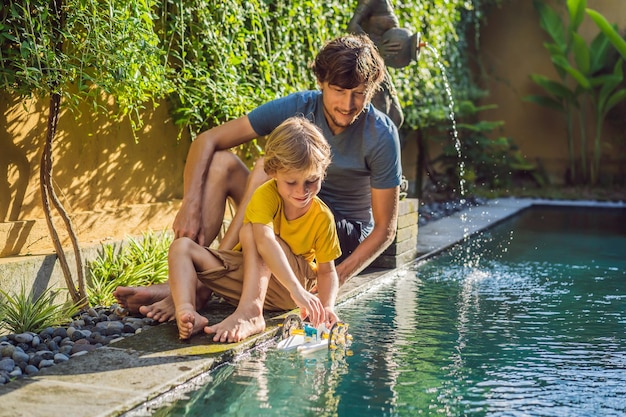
(23, 346)
(110, 327)
(45, 354)
(23, 338)
(67, 341)
(78, 335)
(60, 357)
(35, 360)
(52, 345)
(47, 333)
(130, 328)
(60, 331)
(20, 356)
(121, 312)
(82, 348)
(66, 349)
(6, 350)
(46, 363)
(36, 341)
(31, 370)
(7, 364)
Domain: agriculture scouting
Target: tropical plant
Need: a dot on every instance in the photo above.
(138, 262)
(21, 312)
(585, 81)
(73, 51)
(478, 159)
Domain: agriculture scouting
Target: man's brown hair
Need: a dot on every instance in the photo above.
(350, 61)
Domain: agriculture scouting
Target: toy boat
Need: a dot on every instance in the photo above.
(305, 338)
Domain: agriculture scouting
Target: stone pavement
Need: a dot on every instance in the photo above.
(116, 378)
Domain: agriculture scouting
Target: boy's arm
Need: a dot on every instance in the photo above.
(199, 157)
(385, 212)
(272, 254)
(327, 287)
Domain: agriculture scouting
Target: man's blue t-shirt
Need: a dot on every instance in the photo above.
(365, 155)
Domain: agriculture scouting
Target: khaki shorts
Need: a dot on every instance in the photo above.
(227, 281)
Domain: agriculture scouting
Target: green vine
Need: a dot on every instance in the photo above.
(215, 61)
(110, 48)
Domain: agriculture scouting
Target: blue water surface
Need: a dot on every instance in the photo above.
(525, 319)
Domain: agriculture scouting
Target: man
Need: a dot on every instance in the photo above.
(362, 183)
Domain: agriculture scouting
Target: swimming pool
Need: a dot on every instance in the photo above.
(526, 318)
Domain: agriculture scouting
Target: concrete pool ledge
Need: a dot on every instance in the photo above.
(117, 378)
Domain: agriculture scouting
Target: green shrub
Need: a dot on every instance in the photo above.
(21, 312)
(140, 262)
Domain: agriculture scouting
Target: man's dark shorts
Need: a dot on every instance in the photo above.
(351, 234)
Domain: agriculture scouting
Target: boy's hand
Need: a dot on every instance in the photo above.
(331, 317)
(311, 307)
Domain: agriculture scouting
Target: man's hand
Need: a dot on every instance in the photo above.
(187, 223)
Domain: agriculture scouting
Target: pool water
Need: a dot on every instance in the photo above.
(527, 318)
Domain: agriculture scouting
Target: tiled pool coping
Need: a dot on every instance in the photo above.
(117, 378)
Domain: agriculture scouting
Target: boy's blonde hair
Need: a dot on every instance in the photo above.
(297, 144)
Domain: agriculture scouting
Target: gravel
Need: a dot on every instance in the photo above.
(25, 354)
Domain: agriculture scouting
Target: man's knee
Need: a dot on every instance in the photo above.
(225, 163)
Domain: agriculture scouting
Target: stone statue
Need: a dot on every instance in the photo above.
(396, 45)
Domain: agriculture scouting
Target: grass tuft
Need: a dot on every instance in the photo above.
(21, 312)
(139, 262)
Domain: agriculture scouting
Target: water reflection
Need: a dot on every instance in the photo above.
(527, 321)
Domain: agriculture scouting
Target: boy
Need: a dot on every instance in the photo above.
(288, 244)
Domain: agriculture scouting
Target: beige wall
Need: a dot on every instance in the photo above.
(511, 48)
(112, 185)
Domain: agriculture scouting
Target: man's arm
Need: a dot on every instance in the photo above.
(385, 212)
(235, 132)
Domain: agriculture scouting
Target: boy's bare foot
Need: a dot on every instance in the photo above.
(132, 298)
(236, 327)
(189, 322)
(160, 311)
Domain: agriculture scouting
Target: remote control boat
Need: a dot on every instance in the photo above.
(304, 338)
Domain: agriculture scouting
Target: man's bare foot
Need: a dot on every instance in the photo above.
(132, 298)
(155, 301)
(189, 322)
(236, 327)
(161, 311)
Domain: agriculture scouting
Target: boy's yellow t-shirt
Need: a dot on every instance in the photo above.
(313, 235)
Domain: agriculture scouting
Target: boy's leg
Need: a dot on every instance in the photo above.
(227, 177)
(247, 319)
(185, 258)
